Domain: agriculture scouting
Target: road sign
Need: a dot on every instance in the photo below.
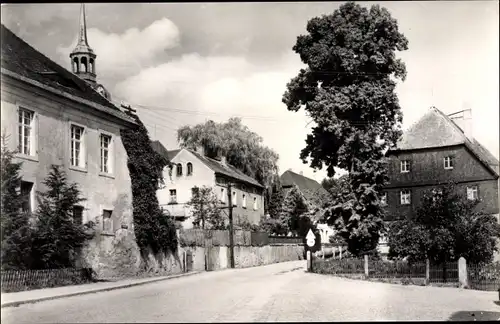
(311, 238)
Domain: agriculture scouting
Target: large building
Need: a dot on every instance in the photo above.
(54, 116)
(191, 169)
(434, 151)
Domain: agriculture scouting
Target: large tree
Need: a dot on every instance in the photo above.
(235, 141)
(348, 91)
(446, 227)
(206, 209)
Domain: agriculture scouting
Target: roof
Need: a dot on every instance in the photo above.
(224, 169)
(290, 178)
(160, 149)
(24, 60)
(435, 129)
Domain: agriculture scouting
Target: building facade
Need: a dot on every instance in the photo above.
(53, 117)
(436, 150)
(191, 169)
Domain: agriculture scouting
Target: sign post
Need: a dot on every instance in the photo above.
(310, 241)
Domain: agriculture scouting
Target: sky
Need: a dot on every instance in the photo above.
(186, 63)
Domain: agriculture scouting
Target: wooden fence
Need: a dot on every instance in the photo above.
(209, 238)
(18, 280)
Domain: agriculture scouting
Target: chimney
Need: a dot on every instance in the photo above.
(463, 120)
(223, 160)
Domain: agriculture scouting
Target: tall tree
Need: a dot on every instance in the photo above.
(241, 147)
(205, 207)
(347, 90)
(447, 226)
(57, 236)
(15, 226)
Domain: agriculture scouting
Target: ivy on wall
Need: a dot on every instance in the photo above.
(153, 229)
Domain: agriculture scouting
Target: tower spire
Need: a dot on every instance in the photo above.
(83, 56)
(82, 39)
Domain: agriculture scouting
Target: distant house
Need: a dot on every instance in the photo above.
(437, 149)
(191, 169)
(54, 116)
(308, 187)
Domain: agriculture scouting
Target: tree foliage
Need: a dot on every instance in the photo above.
(206, 210)
(57, 237)
(16, 231)
(153, 229)
(242, 148)
(447, 226)
(348, 92)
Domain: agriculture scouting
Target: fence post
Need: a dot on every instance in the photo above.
(340, 252)
(462, 272)
(366, 266)
(427, 271)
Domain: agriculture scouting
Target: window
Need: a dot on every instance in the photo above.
(189, 169)
(254, 203)
(234, 199)
(179, 170)
(194, 191)
(105, 153)
(472, 193)
(26, 194)
(173, 196)
(107, 220)
(223, 195)
(405, 197)
(383, 199)
(448, 162)
(170, 171)
(244, 201)
(78, 214)
(26, 132)
(436, 192)
(77, 146)
(405, 166)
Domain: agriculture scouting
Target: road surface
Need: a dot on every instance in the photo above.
(280, 292)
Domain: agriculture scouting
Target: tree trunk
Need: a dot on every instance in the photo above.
(202, 215)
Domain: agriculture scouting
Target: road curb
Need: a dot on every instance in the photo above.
(95, 290)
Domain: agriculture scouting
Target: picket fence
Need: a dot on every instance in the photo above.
(18, 280)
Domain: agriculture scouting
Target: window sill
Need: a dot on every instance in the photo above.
(106, 175)
(33, 158)
(405, 171)
(107, 234)
(79, 169)
(448, 168)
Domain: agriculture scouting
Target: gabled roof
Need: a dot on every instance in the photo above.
(290, 178)
(219, 168)
(435, 129)
(25, 61)
(160, 149)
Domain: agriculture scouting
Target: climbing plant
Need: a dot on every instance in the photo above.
(153, 229)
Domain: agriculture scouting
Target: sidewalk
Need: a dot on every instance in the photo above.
(37, 295)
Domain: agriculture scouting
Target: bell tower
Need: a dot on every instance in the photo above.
(83, 56)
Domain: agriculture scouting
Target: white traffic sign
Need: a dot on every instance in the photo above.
(311, 238)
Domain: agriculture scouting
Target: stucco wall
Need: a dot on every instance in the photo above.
(52, 129)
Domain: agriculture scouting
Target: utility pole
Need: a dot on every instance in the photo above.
(231, 229)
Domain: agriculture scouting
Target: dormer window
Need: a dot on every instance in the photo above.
(448, 162)
(405, 166)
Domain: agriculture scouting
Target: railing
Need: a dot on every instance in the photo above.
(18, 280)
(484, 277)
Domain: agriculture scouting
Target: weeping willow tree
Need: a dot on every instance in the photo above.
(241, 147)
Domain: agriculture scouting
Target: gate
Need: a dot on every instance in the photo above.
(210, 263)
(188, 261)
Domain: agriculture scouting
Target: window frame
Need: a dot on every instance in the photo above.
(31, 196)
(170, 196)
(34, 138)
(188, 171)
(83, 210)
(234, 199)
(178, 170)
(451, 160)
(407, 166)
(111, 230)
(255, 203)
(83, 144)
(223, 195)
(401, 195)
(244, 201)
(111, 154)
(471, 189)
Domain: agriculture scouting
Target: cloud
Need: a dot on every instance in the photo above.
(126, 53)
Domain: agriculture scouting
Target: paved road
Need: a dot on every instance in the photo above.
(280, 292)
